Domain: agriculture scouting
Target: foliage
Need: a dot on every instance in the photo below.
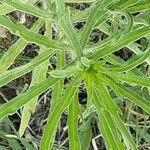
(107, 78)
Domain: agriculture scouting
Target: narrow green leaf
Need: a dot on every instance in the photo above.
(53, 119)
(67, 27)
(85, 134)
(19, 71)
(9, 57)
(131, 63)
(38, 75)
(139, 7)
(79, 1)
(106, 99)
(66, 72)
(26, 7)
(130, 78)
(74, 142)
(108, 103)
(5, 9)
(59, 87)
(96, 14)
(121, 42)
(14, 145)
(30, 36)
(124, 132)
(127, 3)
(13, 105)
(134, 97)
(106, 125)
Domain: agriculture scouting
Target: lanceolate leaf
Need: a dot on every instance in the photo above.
(131, 78)
(130, 94)
(132, 63)
(66, 72)
(133, 97)
(13, 105)
(85, 134)
(106, 125)
(5, 9)
(30, 36)
(121, 42)
(139, 7)
(53, 119)
(38, 75)
(97, 12)
(73, 124)
(114, 112)
(67, 27)
(10, 56)
(58, 88)
(19, 71)
(126, 3)
(26, 7)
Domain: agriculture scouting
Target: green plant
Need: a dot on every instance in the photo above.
(106, 77)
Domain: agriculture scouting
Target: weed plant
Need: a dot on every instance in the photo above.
(107, 78)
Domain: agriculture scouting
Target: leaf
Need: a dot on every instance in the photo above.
(14, 144)
(74, 142)
(65, 72)
(96, 15)
(9, 57)
(85, 134)
(130, 78)
(106, 101)
(59, 86)
(131, 63)
(5, 9)
(19, 71)
(79, 1)
(139, 7)
(127, 3)
(13, 105)
(53, 119)
(30, 36)
(107, 126)
(26, 7)
(38, 75)
(67, 27)
(133, 97)
(121, 42)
